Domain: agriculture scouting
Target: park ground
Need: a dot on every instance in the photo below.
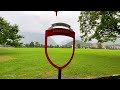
(31, 63)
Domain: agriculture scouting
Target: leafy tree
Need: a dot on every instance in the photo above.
(41, 45)
(37, 44)
(26, 45)
(9, 34)
(51, 46)
(100, 45)
(78, 45)
(101, 25)
(57, 46)
(31, 44)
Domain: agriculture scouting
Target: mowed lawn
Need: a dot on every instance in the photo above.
(31, 63)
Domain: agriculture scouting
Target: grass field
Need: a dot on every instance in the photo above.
(31, 63)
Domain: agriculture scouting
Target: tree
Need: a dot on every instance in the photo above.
(101, 25)
(78, 45)
(37, 44)
(26, 45)
(57, 46)
(100, 45)
(9, 34)
(42, 46)
(31, 44)
(51, 46)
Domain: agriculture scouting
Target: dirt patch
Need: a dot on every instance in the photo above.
(5, 58)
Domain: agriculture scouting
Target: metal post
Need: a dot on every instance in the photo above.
(59, 74)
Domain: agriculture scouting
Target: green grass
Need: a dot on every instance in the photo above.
(24, 63)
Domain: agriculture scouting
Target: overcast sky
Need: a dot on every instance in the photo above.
(39, 21)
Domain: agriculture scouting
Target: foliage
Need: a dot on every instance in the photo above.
(32, 44)
(100, 45)
(37, 44)
(9, 34)
(78, 45)
(101, 25)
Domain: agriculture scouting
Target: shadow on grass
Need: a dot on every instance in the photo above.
(109, 77)
(6, 52)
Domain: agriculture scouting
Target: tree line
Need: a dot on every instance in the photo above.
(98, 46)
(38, 45)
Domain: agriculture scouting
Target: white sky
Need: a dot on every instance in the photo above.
(69, 17)
(39, 21)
